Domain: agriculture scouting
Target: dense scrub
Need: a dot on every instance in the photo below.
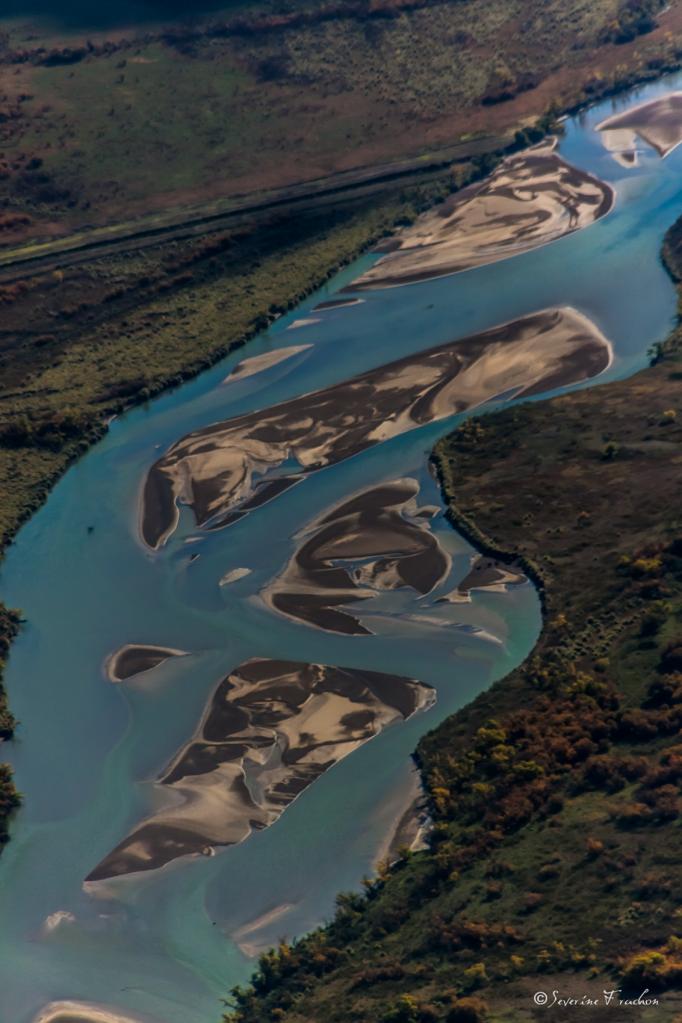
(555, 859)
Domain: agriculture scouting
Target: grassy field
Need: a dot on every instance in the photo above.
(555, 860)
(226, 105)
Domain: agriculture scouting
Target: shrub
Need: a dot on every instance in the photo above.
(656, 969)
(468, 1010)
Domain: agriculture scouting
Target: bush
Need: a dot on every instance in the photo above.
(468, 1010)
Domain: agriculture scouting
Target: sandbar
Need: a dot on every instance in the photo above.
(234, 575)
(82, 1012)
(337, 303)
(489, 574)
(270, 729)
(258, 363)
(658, 122)
(136, 658)
(230, 468)
(533, 198)
(250, 938)
(370, 543)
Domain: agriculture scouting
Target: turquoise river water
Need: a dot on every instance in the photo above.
(161, 946)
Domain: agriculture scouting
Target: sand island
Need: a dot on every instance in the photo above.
(657, 122)
(368, 544)
(135, 658)
(270, 729)
(489, 574)
(227, 469)
(533, 198)
(82, 1012)
(257, 363)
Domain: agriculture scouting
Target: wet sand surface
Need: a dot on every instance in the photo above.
(533, 198)
(271, 728)
(229, 468)
(257, 363)
(488, 574)
(82, 1012)
(234, 575)
(371, 543)
(251, 938)
(337, 303)
(135, 658)
(410, 827)
(658, 123)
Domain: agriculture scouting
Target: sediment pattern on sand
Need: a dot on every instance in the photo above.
(230, 468)
(271, 728)
(657, 122)
(374, 542)
(533, 198)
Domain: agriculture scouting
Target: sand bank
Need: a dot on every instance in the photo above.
(337, 303)
(135, 658)
(368, 544)
(234, 575)
(657, 122)
(228, 469)
(82, 1012)
(257, 363)
(532, 198)
(488, 574)
(270, 729)
(254, 937)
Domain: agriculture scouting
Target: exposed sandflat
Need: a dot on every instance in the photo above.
(270, 729)
(533, 198)
(331, 569)
(81, 1012)
(258, 363)
(135, 658)
(657, 122)
(228, 469)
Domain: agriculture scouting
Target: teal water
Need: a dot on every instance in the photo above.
(162, 946)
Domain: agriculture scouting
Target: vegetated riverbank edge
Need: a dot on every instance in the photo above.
(554, 860)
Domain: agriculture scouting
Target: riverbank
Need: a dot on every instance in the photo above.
(554, 861)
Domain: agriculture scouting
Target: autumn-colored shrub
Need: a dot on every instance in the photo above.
(468, 1010)
(656, 969)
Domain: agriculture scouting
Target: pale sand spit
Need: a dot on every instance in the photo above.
(258, 363)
